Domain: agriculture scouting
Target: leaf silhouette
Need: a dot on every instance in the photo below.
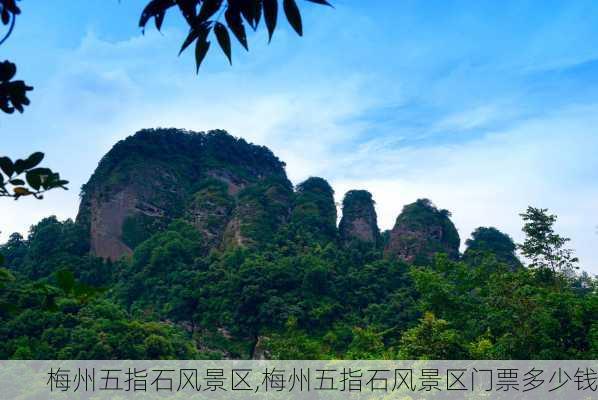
(270, 16)
(293, 15)
(34, 159)
(154, 9)
(323, 2)
(223, 40)
(235, 24)
(201, 49)
(208, 9)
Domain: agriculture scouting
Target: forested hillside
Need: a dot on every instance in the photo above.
(192, 245)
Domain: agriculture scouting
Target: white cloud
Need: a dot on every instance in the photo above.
(105, 92)
(469, 119)
(542, 162)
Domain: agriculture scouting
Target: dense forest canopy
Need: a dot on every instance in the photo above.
(320, 300)
(293, 287)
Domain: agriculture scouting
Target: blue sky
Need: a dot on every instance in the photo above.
(484, 107)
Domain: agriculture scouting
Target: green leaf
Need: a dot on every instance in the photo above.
(41, 171)
(7, 166)
(323, 2)
(235, 24)
(154, 9)
(33, 160)
(5, 275)
(252, 10)
(49, 180)
(20, 166)
(201, 49)
(293, 15)
(223, 40)
(208, 9)
(7, 70)
(270, 16)
(193, 34)
(16, 182)
(65, 280)
(189, 10)
(34, 179)
(159, 19)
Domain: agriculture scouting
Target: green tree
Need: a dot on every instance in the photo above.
(159, 276)
(542, 246)
(489, 240)
(294, 344)
(431, 339)
(366, 344)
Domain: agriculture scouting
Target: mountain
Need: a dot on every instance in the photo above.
(420, 231)
(227, 188)
(207, 251)
(359, 221)
(314, 211)
(237, 194)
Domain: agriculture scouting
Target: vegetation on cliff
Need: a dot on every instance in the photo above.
(420, 231)
(489, 240)
(359, 221)
(314, 212)
(214, 180)
(299, 299)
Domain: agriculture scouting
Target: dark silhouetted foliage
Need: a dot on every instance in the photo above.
(13, 93)
(491, 241)
(24, 177)
(223, 19)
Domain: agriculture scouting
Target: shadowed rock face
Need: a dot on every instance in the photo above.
(359, 221)
(155, 176)
(261, 210)
(210, 209)
(106, 223)
(421, 231)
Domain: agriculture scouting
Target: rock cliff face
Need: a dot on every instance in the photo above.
(421, 231)
(359, 221)
(236, 194)
(212, 179)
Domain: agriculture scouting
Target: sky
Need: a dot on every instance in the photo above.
(484, 107)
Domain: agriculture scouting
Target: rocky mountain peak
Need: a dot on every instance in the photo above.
(157, 175)
(235, 194)
(359, 220)
(314, 210)
(420, 231)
